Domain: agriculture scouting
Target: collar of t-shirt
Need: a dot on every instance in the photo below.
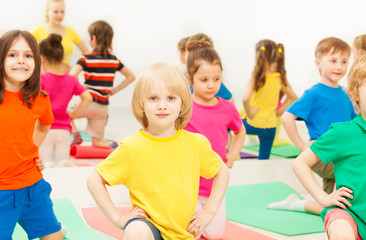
(361, 121)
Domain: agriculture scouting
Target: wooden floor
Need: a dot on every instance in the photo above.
(71, 182)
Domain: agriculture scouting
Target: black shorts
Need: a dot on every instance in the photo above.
(154, 230)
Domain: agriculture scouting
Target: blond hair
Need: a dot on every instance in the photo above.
(356, 78)
(331, 45)
(359, 46)
(162, 75)
(48, 3)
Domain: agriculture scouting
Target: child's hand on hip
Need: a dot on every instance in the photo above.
(199, 222)
(39, 163)
(230, 160)
(134, 213)
(338, 198)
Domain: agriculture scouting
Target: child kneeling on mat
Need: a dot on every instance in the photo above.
(100, 67)
(161, 164)
(343, 145)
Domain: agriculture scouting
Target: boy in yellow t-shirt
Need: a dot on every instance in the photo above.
(161, 164)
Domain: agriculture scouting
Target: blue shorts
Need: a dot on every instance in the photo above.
(154, 230)
(31, 207)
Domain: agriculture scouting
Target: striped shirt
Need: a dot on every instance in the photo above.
(99, 73)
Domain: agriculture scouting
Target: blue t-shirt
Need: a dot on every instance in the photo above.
(320, 106)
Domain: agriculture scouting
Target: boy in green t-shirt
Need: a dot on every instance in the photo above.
(343, 144)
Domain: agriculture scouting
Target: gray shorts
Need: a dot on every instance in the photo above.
(154, 230)
(326, 172)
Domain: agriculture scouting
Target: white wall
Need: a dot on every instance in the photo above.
(147, 31)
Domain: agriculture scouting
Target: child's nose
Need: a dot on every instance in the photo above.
(21, 59)
(162, 105)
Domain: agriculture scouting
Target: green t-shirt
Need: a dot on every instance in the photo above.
(162, 175)
(344, 144)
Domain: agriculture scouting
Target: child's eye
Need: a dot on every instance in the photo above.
(29, 56)
(204, 79)
(217, 79)
(11, 55)
(153, 98)
(171, 98)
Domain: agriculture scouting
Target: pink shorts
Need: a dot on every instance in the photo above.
(336, 214)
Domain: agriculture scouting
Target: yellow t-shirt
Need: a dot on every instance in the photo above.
(162, 175)
(266, 100)
(68, 40)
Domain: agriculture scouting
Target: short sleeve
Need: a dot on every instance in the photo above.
(210, 161)
(75, 36)
(224, 92)
(82, 62)
(47, 117)
(302, 106)
(236, 123)
(78, 88)
(39, 32)
(120, 65)
(114, 169)
(326, 147)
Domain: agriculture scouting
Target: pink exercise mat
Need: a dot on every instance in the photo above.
(89, 152)
(98, 220)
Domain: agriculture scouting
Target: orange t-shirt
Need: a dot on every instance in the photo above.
(17, 149)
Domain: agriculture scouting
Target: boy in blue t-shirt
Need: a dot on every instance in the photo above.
(344, 213)
(323, 104)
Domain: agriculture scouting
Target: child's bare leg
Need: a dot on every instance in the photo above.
(77, 140)
(341, 229)
(53, 236)
(313, 207)
(100, 142)
(138, 230)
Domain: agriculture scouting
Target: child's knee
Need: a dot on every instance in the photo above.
(138, 230)
(341, 229)
(213, 235)
(341, 236)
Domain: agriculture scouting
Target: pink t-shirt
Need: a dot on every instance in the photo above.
(61, 88)
(213, 122)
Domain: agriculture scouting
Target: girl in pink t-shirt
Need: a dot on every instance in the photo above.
(212, 117)
(55, 149)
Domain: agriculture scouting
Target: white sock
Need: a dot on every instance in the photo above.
(291, 203)
(63, 230)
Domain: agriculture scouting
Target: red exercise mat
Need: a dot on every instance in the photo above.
(78, 151)
(98, 220)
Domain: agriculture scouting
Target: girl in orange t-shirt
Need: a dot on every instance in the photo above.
(26, 116)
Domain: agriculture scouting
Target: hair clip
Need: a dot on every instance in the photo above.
(263, 48)
(279, 50)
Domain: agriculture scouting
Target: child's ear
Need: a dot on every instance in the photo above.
(353, 94)
(93, 38)
(317, 63)
(190, 79)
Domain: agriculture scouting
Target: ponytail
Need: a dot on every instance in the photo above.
(281, 63)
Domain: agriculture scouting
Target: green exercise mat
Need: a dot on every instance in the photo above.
(247, 204)
(285, 151)
(69, 217)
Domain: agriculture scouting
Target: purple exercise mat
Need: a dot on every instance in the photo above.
(247, 155)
